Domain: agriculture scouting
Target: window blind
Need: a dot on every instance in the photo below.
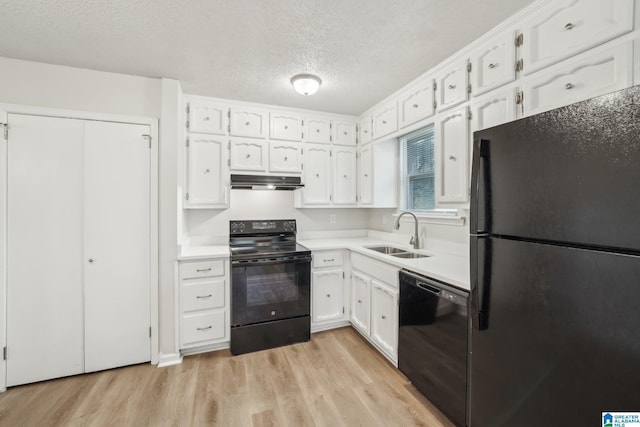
(420, 170)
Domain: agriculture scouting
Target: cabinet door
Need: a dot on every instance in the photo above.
(365, 174)
(344, 133)
(495, 108)
(417, 103)
(117, 282)
(567, 27)
(493, 65)
(452, 85)
(385, 120)
(285, 157)
(328, 296)
(365, 133)
(360, 299)
(317, 130)
(384, 318)
(578, 79)
(249, 123)
(344, 179)
(285, 127)
(247, 154)
(206, 172)
(317, 174)
(207, 117)
(452, 164)
(44, 270)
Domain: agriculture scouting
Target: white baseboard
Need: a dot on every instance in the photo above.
(169, 359)
(205, 348)
(335, 325)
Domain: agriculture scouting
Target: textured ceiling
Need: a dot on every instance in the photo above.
(248, 49)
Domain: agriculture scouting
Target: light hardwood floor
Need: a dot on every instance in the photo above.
(336, 379)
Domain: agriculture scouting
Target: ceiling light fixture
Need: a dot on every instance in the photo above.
(306, 84)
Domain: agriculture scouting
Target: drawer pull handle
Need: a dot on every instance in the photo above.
(568, 86)
(329, 260)
(492, 66)
(384, 317)
(202, 270)
(204, 296)
(569, 26)
(205, 328)
(452, 86)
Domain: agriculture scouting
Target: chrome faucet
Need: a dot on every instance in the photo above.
(415, 239)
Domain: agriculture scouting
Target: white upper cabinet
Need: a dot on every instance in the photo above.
(365, 135)
(579, 78)
(365, 175)
(207, 117)
(385, 120)
(452, 85)
(494, 64)
(452, 157)
(285, 127)
(317, 130)
(566, 27)
(417, 103)
(344, 132)
(317, 174)
(207, 173)
(344, 179)
(248, 122)
(285, 157)
(493, 109)
(246, 154)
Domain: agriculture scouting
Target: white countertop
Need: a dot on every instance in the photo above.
(449, 268)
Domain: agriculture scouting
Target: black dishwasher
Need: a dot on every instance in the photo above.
(433, 342)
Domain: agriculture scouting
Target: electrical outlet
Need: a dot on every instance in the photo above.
(332, 218)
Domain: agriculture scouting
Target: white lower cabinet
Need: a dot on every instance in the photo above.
(374, 303)
(328, 291)
(204, 304)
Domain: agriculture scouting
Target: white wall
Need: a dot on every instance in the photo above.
(55, 86)
(212, 226)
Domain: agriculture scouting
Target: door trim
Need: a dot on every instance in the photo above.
(152, 122)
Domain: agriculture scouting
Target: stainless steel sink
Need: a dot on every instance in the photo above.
(388, 250)
(409, 255)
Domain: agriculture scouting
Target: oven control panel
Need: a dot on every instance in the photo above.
(268, 226)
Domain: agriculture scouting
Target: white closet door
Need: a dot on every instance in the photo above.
(44, 248)
(116, 245)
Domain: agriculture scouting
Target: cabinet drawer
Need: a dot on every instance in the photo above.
(327, 259)
(567, 27)
(578, 79)
(379, 270)
(203, 327)
(194, 270)
(202, 295)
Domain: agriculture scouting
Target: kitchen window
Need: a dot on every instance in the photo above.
(419, 170)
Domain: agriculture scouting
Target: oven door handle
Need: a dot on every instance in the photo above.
(270, 261)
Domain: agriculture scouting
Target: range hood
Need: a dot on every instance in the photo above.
(265, 182)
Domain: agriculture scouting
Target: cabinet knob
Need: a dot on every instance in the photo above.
(384, 122)
(383, 317)
(568, 26)
(247, 123)
(345, 175)
(248, 155)
(286, 158)
(415, 105)
(207, 171)
(328, 295)
(366, 131)
(452, 86)
(568, 86)
(317, 130)
(317, 175)
(359, 301)
(207, 118)
(452, 158)
(366, 175)
(91, 260)
(492, 65)
(286, 127)
(345, 132)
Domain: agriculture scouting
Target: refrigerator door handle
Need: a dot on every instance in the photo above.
(480, 191)
(480, 267)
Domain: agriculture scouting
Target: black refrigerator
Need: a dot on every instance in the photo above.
(555, 266)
